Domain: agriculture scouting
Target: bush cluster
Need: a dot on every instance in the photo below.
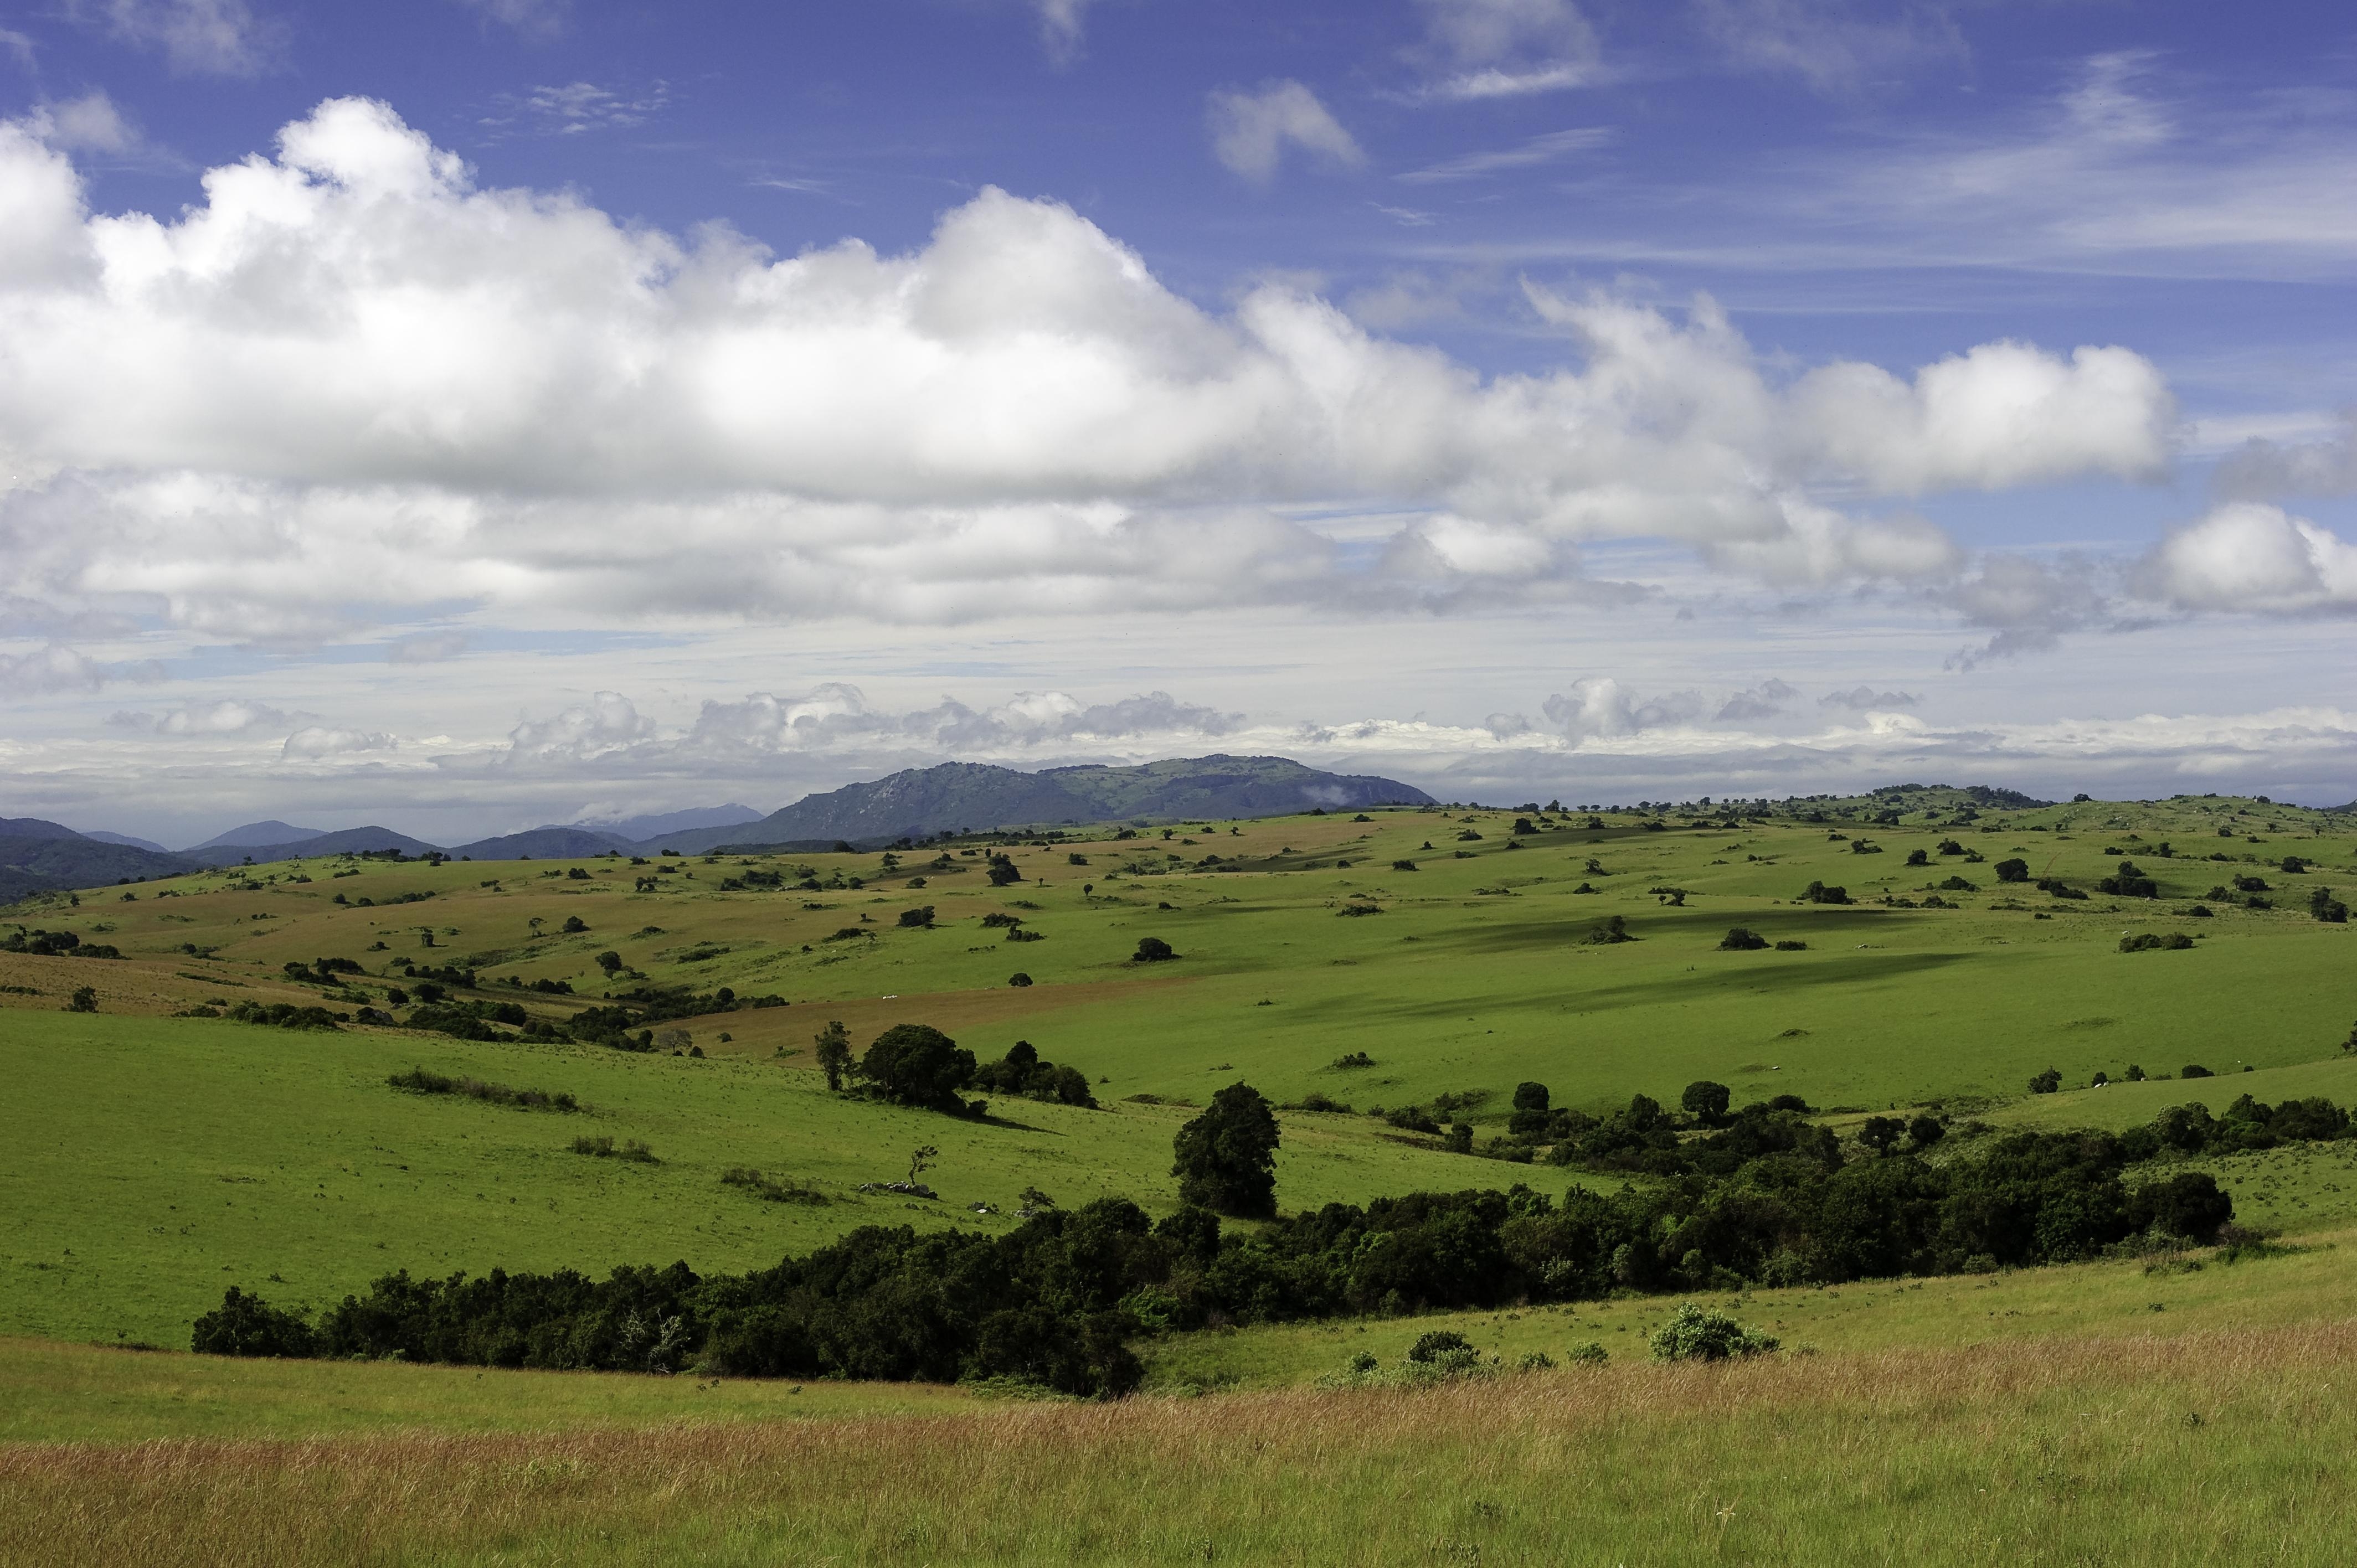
(55, 944)
(417, 1080)
(1021, 1072)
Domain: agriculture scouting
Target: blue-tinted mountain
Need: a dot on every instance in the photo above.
(265, 834)
(542, 843)
(150, 845)
(38, 857)
(969, 797)
(635, 830)
(345, 840)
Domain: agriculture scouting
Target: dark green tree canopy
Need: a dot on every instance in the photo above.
(916, 1064)
(1227, 1156)
(1705, 1102)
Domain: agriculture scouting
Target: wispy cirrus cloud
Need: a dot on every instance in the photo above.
(1475, 49)
(1552, 148)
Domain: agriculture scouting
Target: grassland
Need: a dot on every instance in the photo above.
(147, 1161)
(2203, 1448)
(150, 1159)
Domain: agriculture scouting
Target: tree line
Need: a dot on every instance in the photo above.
(1768, 1198)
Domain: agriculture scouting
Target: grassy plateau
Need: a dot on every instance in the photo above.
(2174, 1408)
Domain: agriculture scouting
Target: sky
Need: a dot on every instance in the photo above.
(476, 414)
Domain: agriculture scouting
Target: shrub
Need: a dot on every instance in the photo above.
(2047, 1082)
(282, 1015)
(575, 925)
(2152, 941)
(1614, 929)
(1360, 1059)
(2128, 882)
(2191, 1071)
(1818, 893)
(1019, 979)
(603, 1148)
(417, 1080)
(1152, 949)
(1439, 1342)
(770, 1190)
(83, 999)
(1694, 1334)
(1741, 938)
(1405, 865)
(920, 917)
(1587, 1353)
(1791, 946)
(2013, 871)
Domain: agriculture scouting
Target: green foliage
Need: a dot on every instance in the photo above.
(917, 1064)
(1696, 1334)
(1225, 1159)
(417, 1080)
(247, 1325)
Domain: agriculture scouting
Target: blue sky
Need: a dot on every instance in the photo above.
(544, 410)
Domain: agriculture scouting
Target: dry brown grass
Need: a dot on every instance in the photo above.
(2203, 1448)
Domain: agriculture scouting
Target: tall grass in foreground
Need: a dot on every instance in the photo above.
(2212, 1448)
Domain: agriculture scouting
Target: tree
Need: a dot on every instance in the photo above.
(83, 999)
(1741, 939)
(1880, 1133)
(1927, 1131)
(2013, 871)
(2047, 1082)
(1705, 1102)
(920, 916)
(833, 1053)
(609, 961)
(1152, 949)
(574, 926)
(247, 1325)
(1226, 1157)
(922, 1160)
(2188, 1204)
(1002, 870)
(916, 1064)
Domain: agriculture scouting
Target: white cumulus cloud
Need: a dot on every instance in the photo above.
(351, 386)
(2247, 555)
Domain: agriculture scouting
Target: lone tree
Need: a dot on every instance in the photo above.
(609, 961)
(834, 1053)
(1152, 949)
(916, 1064)
(1227, 1156)
(1705, 1102)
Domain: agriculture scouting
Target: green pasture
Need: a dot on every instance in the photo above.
(2310, 1278)
(148, 1161)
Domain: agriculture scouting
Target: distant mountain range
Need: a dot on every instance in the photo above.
(972, 796)
(37, 855)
